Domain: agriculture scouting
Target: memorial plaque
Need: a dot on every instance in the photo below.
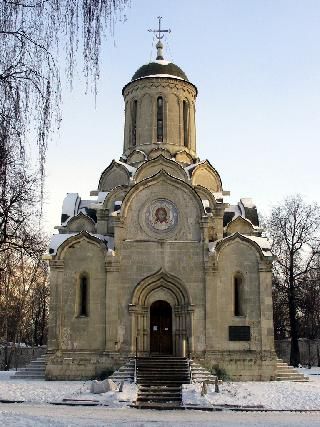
(239, 333)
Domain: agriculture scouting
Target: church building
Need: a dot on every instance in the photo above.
(157, 262)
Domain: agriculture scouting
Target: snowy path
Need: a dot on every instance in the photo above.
(31, 415)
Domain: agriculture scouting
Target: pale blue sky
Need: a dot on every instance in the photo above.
(257, 68)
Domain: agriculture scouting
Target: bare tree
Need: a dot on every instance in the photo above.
(310, 303)
(294, 230)
(32, 32)
(23, 298)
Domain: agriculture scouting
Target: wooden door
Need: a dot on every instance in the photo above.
(161, 327)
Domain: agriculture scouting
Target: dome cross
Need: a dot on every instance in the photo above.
(159, 36)
(159, 30)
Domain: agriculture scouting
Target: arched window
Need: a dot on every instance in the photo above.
(185, 123)
(238, 296)
(134, 123)
(159, 119)
(83, 296)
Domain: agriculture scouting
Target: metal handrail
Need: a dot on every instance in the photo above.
(190, 371)
(136, 346)
(188, 346)
(135, 371)
(135, 362)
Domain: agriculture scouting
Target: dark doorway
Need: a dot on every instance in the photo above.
(161, 327)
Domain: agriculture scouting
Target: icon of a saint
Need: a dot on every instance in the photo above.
(161, 215)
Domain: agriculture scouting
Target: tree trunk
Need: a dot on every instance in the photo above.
(294, 352)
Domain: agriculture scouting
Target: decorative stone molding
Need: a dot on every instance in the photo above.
(57, 264)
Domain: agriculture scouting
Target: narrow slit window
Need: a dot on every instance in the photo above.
(238, 309)
(83, 306)
(159, 119)
(134, 124)
(185, 123)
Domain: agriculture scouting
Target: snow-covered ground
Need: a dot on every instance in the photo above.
(114, 411)
(269, 395)
(33, 415)
(55, 391)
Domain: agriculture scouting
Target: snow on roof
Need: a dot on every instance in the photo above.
(218, 195)
(101, 196)
(57, 240)
(70, 207)
(193, 165)
(160, 75)
(247, 202)
(86, 203)
(130, 168)
(235, 209)
(262, 242)
(162, 62)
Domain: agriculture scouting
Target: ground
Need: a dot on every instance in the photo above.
(37, 411)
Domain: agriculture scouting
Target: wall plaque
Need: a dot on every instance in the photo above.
(239, 333)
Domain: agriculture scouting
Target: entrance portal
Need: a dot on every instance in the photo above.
(161, 327)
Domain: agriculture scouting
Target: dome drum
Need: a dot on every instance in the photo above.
(160, 111)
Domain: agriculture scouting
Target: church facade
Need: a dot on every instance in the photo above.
(158, 262)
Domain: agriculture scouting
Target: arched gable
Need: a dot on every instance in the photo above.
(206, 194)
(80, 222)
(205, 175)
(117, 194)
(114, 175)
(238, 238)
(153, 166)
(183, 157)
(162, 191)
(73, 241)
(166, 178)
(160, 281)
(240, 225)
(159, 151)
(136, 157)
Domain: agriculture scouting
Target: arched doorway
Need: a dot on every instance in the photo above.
(161, 288)
(161, 327)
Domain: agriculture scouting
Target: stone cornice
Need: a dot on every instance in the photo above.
(57, 264)
(156, 82)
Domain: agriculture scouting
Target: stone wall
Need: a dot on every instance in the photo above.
(309, 350)
(20, 357)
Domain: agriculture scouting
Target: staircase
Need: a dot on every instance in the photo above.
(284, 372)
(200, 374)
(34, 371)
(124, 373)
(159, 381)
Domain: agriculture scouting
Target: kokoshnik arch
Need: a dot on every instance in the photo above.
(159, 262)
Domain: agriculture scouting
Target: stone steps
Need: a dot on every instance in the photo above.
(34, 371)
(200, 374)
(124, 373)
(159, 382)
(285, 372)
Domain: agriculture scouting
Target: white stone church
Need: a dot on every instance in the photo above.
(158, 263)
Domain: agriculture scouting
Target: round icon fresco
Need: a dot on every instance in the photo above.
(162, 215)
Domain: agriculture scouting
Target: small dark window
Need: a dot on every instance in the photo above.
(134, 124)
(83, 306)
(185, 123)
(238, 311)
(160, 119)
